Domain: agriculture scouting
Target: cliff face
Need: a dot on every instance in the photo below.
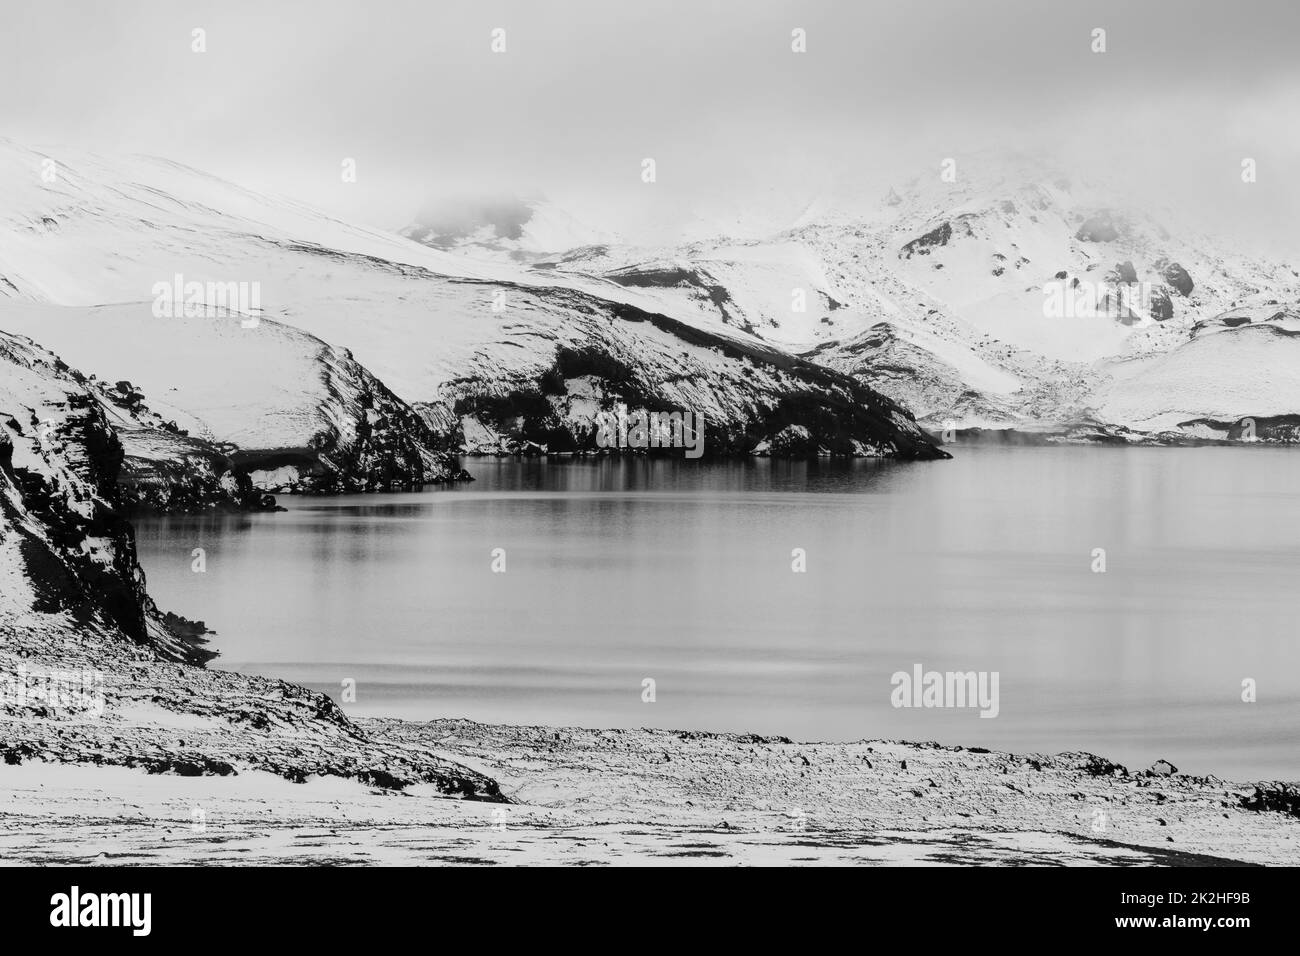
(368, 439)
(65, 547)
(566, 376)
(77, 454)
(213, 413)
(88, 663)
(164, 468)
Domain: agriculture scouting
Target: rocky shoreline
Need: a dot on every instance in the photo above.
(84, 698)
(118, 744)
(152, 761)
(310, 787)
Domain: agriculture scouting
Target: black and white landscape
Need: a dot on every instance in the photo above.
(802, 435)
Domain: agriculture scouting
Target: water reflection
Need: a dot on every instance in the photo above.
(618, 570)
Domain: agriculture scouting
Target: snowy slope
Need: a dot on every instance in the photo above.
(935, 378)
(290, 411)
(105, 230)
(1007, 298)
(455, 333)
(1215, 381)
(777, 291)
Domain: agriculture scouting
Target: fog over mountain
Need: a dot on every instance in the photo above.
(745, 134)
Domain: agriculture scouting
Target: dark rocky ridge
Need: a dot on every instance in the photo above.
(377, 443)
(676, 276)
(755, 398)
(60, 463)
(367, 439)
(939, 236)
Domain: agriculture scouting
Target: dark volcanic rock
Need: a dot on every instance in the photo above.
(1277, 797)
(1177, 277)
(921, 246)
(1161, 306)
(375, 441)
(754, 399)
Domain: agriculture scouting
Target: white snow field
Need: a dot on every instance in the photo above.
(434, 327)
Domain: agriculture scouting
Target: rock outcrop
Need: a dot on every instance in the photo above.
(91, 671)
(213, 414)
(66, 548)
(748, 394)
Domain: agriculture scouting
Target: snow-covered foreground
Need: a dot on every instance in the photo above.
(647, 798)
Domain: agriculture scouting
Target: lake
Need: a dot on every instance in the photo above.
(619, 571)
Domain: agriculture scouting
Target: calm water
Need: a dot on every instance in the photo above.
(617, 571)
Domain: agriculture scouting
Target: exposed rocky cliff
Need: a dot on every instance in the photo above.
(753, 398)
(212, 413)
(65, 547)
(91, 670)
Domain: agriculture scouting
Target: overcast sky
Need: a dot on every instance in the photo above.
(710, 90)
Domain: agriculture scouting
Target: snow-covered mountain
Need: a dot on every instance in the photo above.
(1238, 375)
(1009, 298)
(67, 554)
(496, 357)
(290, 412)
(778, 291)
